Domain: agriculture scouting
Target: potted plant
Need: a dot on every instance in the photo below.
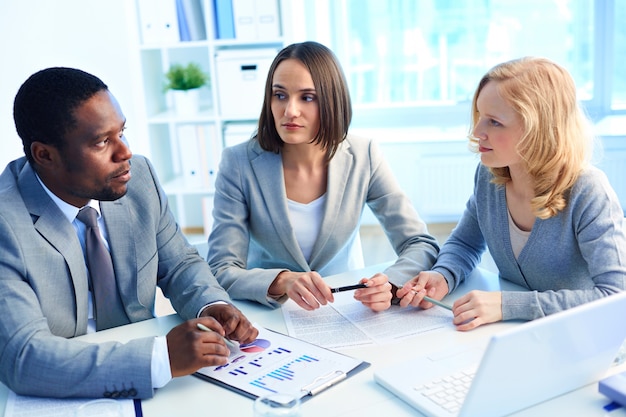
(184, 82)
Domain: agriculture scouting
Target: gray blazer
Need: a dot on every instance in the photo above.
(43, 286)
(252, 239)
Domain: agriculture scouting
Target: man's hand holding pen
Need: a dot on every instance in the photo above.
(191, 347)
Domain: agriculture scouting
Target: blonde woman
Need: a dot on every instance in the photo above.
(551, 221)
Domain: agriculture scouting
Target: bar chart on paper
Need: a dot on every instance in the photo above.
(276, 363)
(272, 381)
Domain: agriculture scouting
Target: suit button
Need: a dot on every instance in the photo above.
(132, 392)
(115, 394)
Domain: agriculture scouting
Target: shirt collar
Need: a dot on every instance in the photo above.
(68, 210)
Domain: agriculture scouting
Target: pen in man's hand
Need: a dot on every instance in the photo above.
(348, 288)
(437, 302)
(229, 343)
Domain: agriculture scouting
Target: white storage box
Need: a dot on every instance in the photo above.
(241, 84)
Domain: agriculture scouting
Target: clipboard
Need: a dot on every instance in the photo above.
(276, 362)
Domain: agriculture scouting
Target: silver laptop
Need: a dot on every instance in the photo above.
(520, 367)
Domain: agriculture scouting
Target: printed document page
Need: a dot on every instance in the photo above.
(348, 323)
(25, 406)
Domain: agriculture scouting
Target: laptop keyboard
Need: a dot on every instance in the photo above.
(448, 392)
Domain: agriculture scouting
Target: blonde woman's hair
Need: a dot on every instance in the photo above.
(557, 142)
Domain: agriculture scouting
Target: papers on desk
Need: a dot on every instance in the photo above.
(277, 363)
(25, 406)
(348, 323)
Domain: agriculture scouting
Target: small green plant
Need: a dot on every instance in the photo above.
(180, 77)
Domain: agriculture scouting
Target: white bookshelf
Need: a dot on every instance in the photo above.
(164, 124)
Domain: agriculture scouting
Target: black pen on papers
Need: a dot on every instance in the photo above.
(437, 302)
(348, 288)
(229, 343)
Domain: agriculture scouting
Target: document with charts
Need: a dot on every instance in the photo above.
(275, 362)
(348, 323)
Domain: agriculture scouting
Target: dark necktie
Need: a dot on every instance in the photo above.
(108, 307)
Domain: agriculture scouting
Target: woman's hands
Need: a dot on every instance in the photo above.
(377, 295)
(429, 283)
(310, 291)
(477, 308)
(307, 289)
(470, 310)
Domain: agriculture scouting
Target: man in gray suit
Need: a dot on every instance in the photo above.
(72, 129)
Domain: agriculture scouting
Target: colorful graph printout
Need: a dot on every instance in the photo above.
(279, 363)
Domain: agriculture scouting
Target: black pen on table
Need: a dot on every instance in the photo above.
(348, 288)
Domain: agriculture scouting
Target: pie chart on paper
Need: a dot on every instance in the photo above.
(258, 345)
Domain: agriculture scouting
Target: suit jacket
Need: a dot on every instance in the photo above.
(44, 291)
(253, 241)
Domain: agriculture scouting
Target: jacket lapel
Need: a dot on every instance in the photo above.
(50, 222)
(268, 170)
(123, 240)
(338, 171)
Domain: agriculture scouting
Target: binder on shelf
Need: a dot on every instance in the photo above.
(210, 151)
(181, 17)
(158, 21)
(235, 133)
(207, 215)
(224, 19)
(193, 15)
(190, 159)
(148, 22)
(203, 155)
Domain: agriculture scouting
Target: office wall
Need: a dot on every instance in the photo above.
(92, 35)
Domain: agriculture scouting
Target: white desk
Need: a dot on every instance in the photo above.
(358, 396)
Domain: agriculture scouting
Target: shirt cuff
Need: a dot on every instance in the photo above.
(161, 372)
(209, 305)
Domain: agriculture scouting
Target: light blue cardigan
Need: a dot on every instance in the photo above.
(572, 258)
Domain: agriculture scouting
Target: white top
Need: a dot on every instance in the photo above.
(306, 220)
(518, 236)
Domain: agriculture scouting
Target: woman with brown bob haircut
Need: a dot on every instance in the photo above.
(288, 202)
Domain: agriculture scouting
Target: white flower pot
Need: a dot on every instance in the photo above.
(186, 102)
